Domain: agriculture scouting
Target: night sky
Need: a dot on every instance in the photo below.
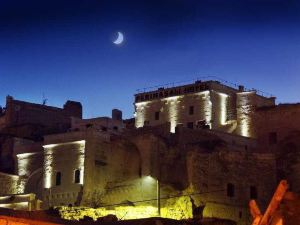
(64, 49)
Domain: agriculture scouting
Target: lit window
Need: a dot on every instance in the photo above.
(77, 176)
(58, 179)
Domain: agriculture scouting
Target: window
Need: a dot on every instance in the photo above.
(77, 176)
(191, 110)
(230, 190)
(190, 125)
(115, 128)
(89, 125)
(272, 138)
(146, 122)
(58, 178)
(156, 115)
(253, 192)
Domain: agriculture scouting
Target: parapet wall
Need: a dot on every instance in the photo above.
(20, 112)
(11, 184)
(30, 120)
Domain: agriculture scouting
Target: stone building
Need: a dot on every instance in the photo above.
(113, 124)
(208, 104)
(32, 121)
(218, 171)
(239, 146)
(20, 119)
(277, 130)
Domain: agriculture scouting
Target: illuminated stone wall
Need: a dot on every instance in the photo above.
(11, 184)
(209, 174)
(175, 110)
(123, 169)
(223, 111)
(178, 208)
(221, 107)
(28, 163)
(111, 170)
(245, 110)
(102, 164)
(247, 103)
(65, 158)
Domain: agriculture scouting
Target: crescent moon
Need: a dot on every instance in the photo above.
(119, 39)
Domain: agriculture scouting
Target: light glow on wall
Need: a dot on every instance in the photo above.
(172, 109)
(21, 185)
(48, 169)
(172, 103)
(4, 197)
(140, 114)
(49, 158)
(244, 122)
(244, 110)
(178, 210)
(23, 163)
(223, 108)
(17, 205)
(207, 106)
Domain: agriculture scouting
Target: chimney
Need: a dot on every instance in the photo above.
(241, 88)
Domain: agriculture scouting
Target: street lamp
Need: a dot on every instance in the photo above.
(150, 178)
(158, 196)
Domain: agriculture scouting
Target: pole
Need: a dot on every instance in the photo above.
(158, 178)
(50, 197)
(158, 196)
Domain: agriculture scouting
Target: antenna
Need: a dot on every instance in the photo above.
(44, 100)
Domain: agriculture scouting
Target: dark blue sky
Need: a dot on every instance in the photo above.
(64, 50)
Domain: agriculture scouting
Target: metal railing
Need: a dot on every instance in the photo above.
(202, 78)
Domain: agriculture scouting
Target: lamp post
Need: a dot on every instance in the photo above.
(158, 177)
(151, 181)
(158, 196)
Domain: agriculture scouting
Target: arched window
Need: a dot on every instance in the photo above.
(230, 190)
(58, 178)
(77, 176)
